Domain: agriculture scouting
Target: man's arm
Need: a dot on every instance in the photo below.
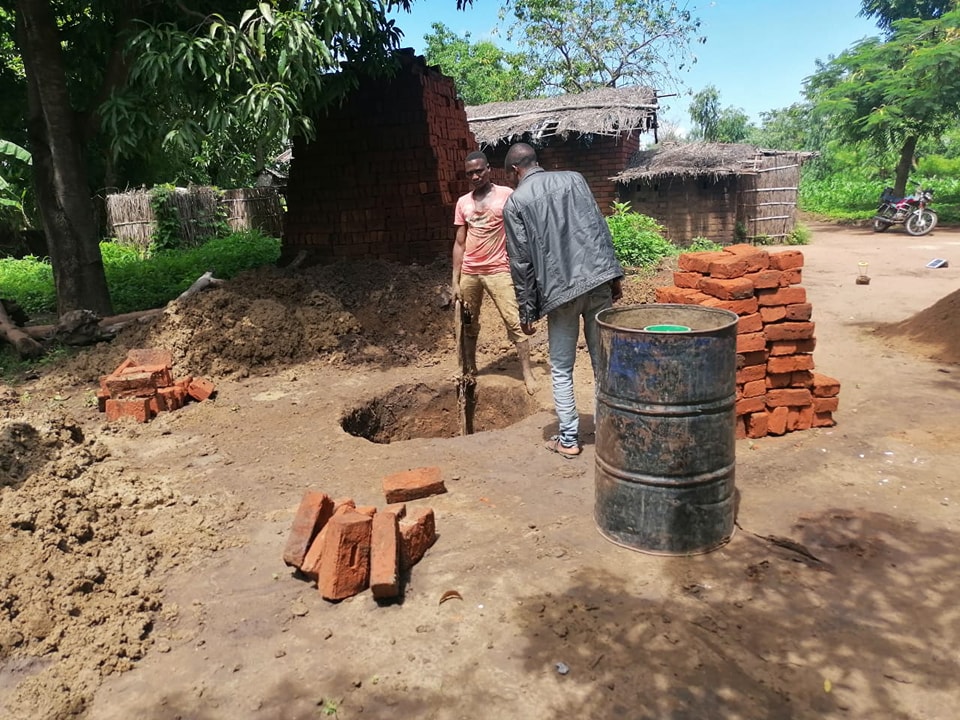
(521, 268)
(459, 246)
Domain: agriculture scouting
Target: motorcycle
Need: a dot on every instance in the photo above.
(912, 211)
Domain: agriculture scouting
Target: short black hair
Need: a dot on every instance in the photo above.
(521, 155)
(477, 155)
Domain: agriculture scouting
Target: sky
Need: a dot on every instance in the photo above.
(757, 52)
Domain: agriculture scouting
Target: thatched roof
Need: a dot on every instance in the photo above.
(699, 159)
(604, 111)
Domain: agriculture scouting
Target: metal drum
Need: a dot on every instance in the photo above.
(665, 417)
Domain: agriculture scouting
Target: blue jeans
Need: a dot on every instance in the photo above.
(563, 326)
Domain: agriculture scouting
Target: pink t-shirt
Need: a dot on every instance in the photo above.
(486, 246)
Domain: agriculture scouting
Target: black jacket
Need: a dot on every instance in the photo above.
(558, 241)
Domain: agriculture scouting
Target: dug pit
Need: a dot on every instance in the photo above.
(421, 411)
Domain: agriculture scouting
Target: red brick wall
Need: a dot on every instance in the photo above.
(383, 176)
(597, 160)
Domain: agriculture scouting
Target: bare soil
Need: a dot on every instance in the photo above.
(140, 568)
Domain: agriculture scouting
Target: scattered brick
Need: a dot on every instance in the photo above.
(160, 374)
(786, 260)
(131, 384)
(413, 484)
(398, 509)
(200, 389)
(345, 560)
(313, 512)
(385, 556)
(417, 534)
(136, 408)
(102, 396)
(369, 510)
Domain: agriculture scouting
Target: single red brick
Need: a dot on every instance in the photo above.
(777, 421)
(311, 561)
(729, 266)
(793, 397)
(200, 389)
(123, 366)
(801, 378)
(825, 386)
(314, 510)
(150, 356)
(754, 388)
(752, 358)
(173, 397)
(792, 347)
(156, 404)
(779, 381)
(698, 262)
(398, 509)
(789, 331)
(137, 408)
(679, 296)
(789, 363)
(749, 405)
(781, 296)
(385, 556)
(345, 561)
(757, 424)
(687, 279)
(823, 420)
(791, 277)
(162, 376)
(413, 484)
(131, 384)
(798, 311)
(740, 307)
(800, 418)
(786, 260)
(751, 373)
(826, 404)
(369, 510)
(740, 427)
(750, 323)
(764, 279)
(732, 289)
(757, 259)
(751, 342)
(770, 315)
(184, 382)
(417, 534)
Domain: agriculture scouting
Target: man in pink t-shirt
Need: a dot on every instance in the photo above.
(480, 263)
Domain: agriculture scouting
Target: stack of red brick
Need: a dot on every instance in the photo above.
(347, 548)
(777, 388)
(143, 386)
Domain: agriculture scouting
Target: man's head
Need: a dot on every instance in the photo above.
(478, 170)
(520, 159)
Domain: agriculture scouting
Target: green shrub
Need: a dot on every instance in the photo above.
(637, 239)
(138, 283)
(702, 244)
(799, 236)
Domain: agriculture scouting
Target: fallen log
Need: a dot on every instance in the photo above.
(84, 327)
(25, 345)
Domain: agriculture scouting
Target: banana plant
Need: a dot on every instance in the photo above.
(9, 197)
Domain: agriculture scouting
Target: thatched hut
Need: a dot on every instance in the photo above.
(594, 133)
(724, 192)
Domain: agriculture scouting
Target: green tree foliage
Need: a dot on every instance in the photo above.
(887, 12)
(583, 44)
(712, 123)
(483, 72)
(892, 93)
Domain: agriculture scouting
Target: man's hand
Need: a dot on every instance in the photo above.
(528, 328)
(616, 288)
(455, 288)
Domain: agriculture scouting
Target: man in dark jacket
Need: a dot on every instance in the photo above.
(563, 266)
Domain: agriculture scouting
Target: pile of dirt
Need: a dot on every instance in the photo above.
(937, 328)
(83, 541)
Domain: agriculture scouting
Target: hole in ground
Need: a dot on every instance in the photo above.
(420, 411)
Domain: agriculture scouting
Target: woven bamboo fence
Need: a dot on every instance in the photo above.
(769, 197)
(200, 212)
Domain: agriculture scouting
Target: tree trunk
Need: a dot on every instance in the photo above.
(63, 193)
(904, 166)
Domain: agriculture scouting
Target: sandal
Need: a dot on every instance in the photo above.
(555, 446)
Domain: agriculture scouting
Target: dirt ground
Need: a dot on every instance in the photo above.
(141, 572)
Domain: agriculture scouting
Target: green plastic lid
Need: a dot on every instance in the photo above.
(667, 328)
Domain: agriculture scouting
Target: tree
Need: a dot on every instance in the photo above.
(893, 92)
(887, 12)
(713, 124)
(104, 79)
(482, 71)
(583, 44)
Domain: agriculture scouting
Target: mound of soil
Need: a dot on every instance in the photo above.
(937, 328)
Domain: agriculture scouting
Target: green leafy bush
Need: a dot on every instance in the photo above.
(702, 244)
(637, 239)
(138, 283)
(799, 236)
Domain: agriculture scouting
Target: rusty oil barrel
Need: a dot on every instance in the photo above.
(665, 427)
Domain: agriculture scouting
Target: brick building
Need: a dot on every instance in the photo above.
(383, 175)
(595, 133)
(724, 192)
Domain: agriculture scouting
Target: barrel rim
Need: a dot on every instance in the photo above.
(732, 318)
